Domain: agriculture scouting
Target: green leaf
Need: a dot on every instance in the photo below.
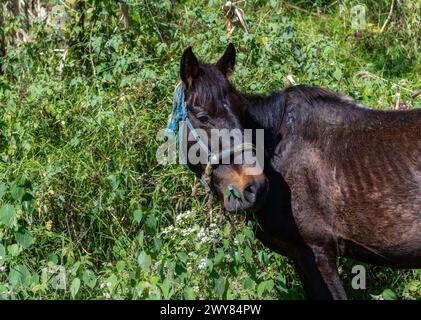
(157, 244)
(137, 215)
(28, 203)
(3, 188)
(113, 280)
(165, 288)
(144, 260)
(14, 277)
(388, 294)
(24, 238)
(236, 193)
(264, 286)
(219, 286)
(19, 275)
(261, 288)
(74, 287)
(182, 256)
(74, 141)
(115, 181)
(232, 191)
(265, 258)
(269, 285)
(247, 254)
(75, 268)
(209, 266)
(121, 265)
(151, 224)
(337, 74)
(2, 251)
(7, 212)
(280, 283)
(13, 250)
(17, 189)
(219, 257)
(89, 278)
(248, 283)
(189, 294)
(52, 257)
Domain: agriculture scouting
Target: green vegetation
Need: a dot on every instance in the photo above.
(85, 210)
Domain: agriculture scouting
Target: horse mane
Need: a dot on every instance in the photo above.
(316, 95)
(324, 110)
(268, 108)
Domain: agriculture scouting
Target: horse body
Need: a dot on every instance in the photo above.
(340, 179)
(353, 181)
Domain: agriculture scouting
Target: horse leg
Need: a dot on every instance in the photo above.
(319, 275)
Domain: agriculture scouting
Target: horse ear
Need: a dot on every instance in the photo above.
(227, 61)
(189, 66)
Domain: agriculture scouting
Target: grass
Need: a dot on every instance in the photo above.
(85, 210)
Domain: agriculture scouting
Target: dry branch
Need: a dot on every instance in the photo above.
(388, 17)
(124, 8)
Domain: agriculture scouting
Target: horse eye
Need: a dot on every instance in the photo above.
(203, 117)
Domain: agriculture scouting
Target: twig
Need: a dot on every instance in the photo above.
(332, 4)
(291, 80)
(63, 60)
(371, 75)
(124, 8)
(83, 233)
(154, 22)
(416, 94)
(304, 10)
(398, 96)
(389, 17)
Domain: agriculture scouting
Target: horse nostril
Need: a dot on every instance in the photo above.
(249, 193)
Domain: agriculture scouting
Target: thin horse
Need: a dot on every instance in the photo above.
(339, 179)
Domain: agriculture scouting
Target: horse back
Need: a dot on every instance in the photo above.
(362, 181)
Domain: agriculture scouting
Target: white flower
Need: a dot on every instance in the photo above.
(168, 229)
(183, 216)
(103, 285)
(193, 255)
(202, 264)
(2, 268)
(201, 233)
(107, 295)
(188, 231)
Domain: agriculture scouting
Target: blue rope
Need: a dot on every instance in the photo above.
(179, 113)
(179, 109)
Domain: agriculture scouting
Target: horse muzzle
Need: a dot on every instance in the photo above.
(240, 192)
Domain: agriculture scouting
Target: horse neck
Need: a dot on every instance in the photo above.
(264, 112)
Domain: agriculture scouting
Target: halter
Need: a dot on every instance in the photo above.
(180, 114)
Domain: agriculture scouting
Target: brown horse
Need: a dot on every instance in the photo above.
(340, 179)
